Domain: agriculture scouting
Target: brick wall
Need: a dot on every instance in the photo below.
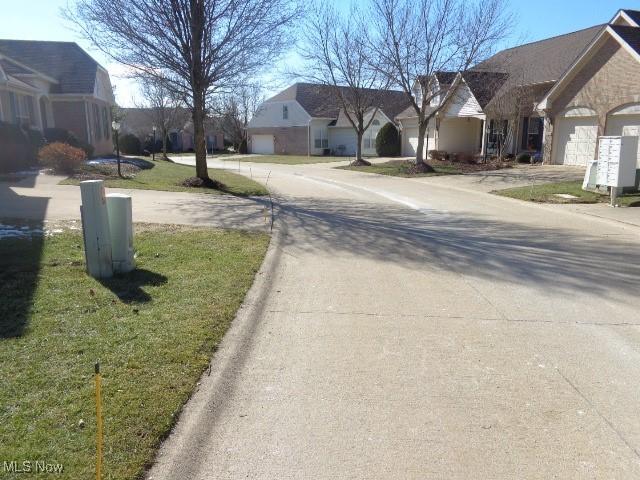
(287, 141)
(608, 81)
(71, 116)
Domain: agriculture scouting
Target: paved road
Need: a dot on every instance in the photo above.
(412, 331)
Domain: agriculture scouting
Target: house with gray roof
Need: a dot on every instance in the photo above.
(56, 84)
(509, 101)
(307, 119)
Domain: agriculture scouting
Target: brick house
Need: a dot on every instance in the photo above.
(306, 119)
(140, 121)
(551, 98)
(56, 84)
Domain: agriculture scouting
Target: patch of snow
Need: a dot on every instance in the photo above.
(565, 196)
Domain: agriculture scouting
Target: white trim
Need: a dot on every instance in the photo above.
(622, 14)
(26, 67)
(628, 109)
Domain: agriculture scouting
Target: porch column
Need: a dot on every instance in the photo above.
(483, 146)
(547, 140)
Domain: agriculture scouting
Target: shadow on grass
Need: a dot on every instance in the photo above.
(20, 256)
(128, 286)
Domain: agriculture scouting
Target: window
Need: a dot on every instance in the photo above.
(532, 128)
(285, 112)
(96, 120)
(321, 140)
(370, 135)
(105, 123)
(29, 115)
(13, 106)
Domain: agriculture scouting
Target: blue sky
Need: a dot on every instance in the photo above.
(41, 20)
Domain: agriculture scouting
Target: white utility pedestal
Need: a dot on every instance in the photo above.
(95, 229)
(121, 227)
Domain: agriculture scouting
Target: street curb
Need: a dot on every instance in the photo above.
(217, 383)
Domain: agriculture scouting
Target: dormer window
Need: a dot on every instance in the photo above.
(285, 112)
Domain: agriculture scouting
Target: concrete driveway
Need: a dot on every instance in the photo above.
(407, 330)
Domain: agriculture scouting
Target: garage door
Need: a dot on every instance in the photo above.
(262, 144)
(409, 141)
(576, 140)
(627, 125)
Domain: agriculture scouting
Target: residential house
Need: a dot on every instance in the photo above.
(553, 97)
(56, 84)
(140, 122)
(307, 119)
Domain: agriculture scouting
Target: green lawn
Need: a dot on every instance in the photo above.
(548, 193)
(167, 176)
(287, 159)
(153, 330)
(401, 168)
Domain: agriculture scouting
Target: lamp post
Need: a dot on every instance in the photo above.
(116, 128)
(154, 144)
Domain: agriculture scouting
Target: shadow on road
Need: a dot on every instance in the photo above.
(542, 258)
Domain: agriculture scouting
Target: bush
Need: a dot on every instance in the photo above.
(388, 141)
(524, 158)
(463, 158)
(148, 145)
(439, 155)
(62, 135)
(63, 158)
(16, 151)
(130, 144)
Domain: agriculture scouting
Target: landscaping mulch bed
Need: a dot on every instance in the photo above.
(464, 167)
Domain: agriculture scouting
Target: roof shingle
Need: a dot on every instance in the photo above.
(66, 62)
(320, 101)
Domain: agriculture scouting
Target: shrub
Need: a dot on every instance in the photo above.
(148, 145)
(63, 158)
(462, 158)
(388, 141)
(524, 158)
(242, 148)
(62, 135)
(16, 152)
(130, 144)
(440, 155)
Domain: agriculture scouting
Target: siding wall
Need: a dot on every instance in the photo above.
(269, 115)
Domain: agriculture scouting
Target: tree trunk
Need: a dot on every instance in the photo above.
(420, 165)
(198, 136)
(359, 135)
(164, 143)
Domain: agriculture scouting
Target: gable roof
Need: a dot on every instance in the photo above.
(634, 15)
(319, 100)
(65, 62)
(630, 35)
(542, 61)
(484, 85)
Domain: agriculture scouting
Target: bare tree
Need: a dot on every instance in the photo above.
(162, 106)
(414, 39)
(336, 53)
(199, 47)
(234, 110)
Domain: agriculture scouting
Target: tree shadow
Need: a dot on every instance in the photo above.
(128, 286)
(20, 253)
(546, 259)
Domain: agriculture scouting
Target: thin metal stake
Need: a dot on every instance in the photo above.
(98, 422)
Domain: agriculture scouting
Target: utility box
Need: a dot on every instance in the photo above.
(617, 158)
(95, 229)
(121, 228)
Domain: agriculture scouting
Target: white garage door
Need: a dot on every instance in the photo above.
(262, 144)
(627, 125)
(576, 140)
(409, 141)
